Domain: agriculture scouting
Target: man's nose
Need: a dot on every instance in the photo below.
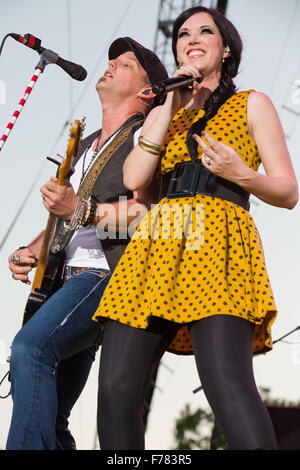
(112, 63)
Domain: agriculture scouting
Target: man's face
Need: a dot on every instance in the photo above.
(125, 77)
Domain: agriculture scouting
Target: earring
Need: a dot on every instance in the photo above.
(227, 50)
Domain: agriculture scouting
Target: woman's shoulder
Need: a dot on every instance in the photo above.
(259, 103)
(251, 93)
(254, 99)
(260, 109)
(254, 96)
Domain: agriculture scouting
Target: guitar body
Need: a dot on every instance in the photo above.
(51, 282)
(48, 276)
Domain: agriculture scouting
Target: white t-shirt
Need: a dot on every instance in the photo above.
(84, 249)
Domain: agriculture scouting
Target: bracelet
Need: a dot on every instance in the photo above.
(146, 149)
(149, 144)
(89, 217)
(149, 147)
(78, 215)
(87, 213)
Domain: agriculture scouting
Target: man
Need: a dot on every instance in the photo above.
(52, 354)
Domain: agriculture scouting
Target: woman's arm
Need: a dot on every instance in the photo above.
(278, 186)
(140, 166)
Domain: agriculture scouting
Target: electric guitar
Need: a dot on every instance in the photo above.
(49, 269)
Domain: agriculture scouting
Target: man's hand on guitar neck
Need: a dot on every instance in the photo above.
(59, 200)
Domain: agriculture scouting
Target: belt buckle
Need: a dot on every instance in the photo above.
(184, 180)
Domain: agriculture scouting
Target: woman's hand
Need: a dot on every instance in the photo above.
(178, 99)
(222, 160)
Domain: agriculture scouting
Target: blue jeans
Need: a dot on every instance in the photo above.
(50, 362)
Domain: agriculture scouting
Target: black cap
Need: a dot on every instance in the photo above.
(154, 68)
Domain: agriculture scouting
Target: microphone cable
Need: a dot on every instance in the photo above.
(4, 39)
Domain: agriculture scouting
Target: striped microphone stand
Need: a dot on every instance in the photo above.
(20, 106)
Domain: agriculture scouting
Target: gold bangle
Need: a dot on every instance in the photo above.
(149, 144)
(148, 150)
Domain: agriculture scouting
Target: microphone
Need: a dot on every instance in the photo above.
(74, 70)
(172, 84)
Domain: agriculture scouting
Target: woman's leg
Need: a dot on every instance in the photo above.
(223, 352)
(128, 358)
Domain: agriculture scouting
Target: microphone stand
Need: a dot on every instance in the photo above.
(47, 57)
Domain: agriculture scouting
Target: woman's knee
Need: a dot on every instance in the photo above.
(117, 391)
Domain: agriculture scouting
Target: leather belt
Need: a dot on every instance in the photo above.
(72, 270)
(188, 179)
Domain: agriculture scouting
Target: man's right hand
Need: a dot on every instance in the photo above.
(21, 263)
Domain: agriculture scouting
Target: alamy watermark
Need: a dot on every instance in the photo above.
(166, 221)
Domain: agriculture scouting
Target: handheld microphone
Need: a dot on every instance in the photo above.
(174, 84)
(74, 70)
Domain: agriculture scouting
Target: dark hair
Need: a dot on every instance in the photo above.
(226, 88)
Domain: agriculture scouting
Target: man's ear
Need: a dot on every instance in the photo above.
(147, 94)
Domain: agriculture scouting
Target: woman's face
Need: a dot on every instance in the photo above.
(200, 44)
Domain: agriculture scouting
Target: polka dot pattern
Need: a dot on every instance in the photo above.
(195, 257)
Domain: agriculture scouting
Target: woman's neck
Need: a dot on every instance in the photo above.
(209, 85)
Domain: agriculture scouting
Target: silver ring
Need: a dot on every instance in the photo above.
(15, 259)
(206, 158)
(13, 275)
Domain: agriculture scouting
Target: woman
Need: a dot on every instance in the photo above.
(212, 299)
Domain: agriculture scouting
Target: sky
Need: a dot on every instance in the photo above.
(81, 31)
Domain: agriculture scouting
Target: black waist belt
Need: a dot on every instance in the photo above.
(187, 179)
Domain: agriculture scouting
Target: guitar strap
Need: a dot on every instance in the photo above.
(63, 234)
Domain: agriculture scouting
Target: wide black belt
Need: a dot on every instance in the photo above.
(188, 179)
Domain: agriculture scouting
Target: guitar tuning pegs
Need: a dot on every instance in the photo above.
(55, 161)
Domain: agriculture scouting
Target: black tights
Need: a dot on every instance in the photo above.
(223, 352)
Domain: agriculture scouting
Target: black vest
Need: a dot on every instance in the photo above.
(109, 187)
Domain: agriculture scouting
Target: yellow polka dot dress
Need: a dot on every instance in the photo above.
(195, 257)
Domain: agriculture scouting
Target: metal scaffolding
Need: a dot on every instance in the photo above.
(168, 12)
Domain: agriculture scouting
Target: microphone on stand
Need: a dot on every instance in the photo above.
(74, 70)
(172, 84)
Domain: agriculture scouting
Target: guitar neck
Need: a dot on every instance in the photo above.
(43, 258)
(63, 173)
